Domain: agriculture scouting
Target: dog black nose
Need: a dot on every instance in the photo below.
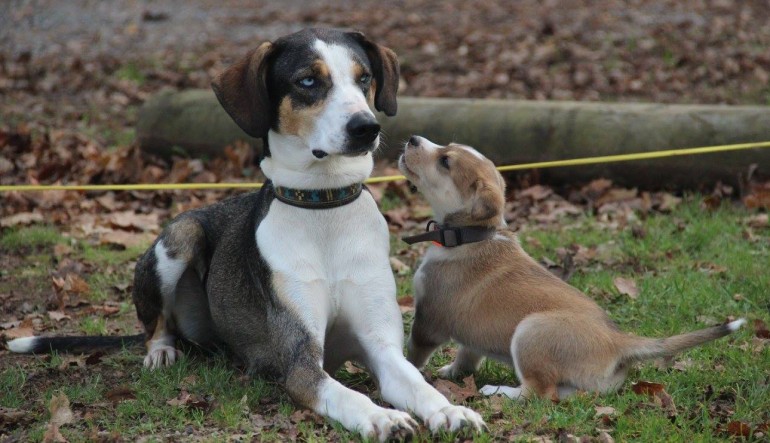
(414, 141)
(363, 128)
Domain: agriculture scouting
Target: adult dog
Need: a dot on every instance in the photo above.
(295, 279)
(485, 292)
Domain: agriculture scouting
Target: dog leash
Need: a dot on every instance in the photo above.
(392, 178)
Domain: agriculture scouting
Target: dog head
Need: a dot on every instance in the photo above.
(312, 92)
(462, 186)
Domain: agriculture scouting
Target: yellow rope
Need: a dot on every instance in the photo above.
(390, 178)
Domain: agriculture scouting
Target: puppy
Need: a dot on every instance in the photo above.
(483, 291)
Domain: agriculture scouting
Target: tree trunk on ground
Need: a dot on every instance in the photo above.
(509, 132)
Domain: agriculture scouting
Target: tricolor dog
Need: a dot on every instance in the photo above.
(294, 280)
(484, 292)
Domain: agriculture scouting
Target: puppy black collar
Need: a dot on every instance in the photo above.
(451, 237)
(318, 198)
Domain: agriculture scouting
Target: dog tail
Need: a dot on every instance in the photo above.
(74, 344)
(641, 348)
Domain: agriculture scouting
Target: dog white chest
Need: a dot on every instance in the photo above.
(321, 257)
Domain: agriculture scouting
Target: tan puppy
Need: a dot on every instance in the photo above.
(493, 299)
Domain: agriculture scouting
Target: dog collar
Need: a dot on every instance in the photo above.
(451, 237)
(318, 198)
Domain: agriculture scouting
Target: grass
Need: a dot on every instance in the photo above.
(689, 266)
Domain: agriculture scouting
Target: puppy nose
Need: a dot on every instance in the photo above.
(414, 141)
(362, 127)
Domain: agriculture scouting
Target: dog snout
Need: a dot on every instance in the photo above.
(414, 142)
(363, 128)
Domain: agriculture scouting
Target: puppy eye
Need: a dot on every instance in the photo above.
(364, 78)
(307, 82)
(444, 161)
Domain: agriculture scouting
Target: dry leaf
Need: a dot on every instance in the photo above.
(760, 329)
(23, 218)
(738, 429)
(190, 401)
(119, 394)
(58, 316)
(61, 414)
(353, 369)
(10, 417)
(647, 388)
(627, 287)
(604, 410)
(406, 303)
(399, 267)
(758, 220)
(456, 393)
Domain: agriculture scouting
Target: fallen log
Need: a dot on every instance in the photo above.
(508, 131)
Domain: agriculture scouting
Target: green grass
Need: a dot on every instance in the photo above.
(670, 264)
(30, 237)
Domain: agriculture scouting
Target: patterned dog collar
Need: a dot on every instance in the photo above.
(318, 198)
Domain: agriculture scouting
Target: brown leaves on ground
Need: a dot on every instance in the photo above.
(61, 414)
(11, 418)
(657, 393)
(626, 286)
(760, 329)
(188, 400)
(456, 393)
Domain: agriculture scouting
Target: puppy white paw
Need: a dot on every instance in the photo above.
(388, 424)
(507, 391)
(455, 418)
(161, 356)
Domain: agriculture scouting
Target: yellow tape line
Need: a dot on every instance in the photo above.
(390, 178)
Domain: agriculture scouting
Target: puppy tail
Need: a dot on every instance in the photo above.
(44, 345)
(641, 348)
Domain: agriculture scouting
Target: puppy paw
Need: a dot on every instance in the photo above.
(507, 391)
(455, 418)
(161, 356)
(389, 424)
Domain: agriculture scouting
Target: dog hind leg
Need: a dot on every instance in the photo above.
(175, 254)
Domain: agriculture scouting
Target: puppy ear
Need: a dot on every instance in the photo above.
(242, 91)
(386, 73)
(488, 202)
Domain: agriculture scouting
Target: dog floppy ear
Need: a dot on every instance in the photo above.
(488, 202)
(385, 70)
(242, 91)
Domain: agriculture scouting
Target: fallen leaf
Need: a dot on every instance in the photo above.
(738, 429)
(129, 220)
(22, 218)
(456, 393)
(10, 417)
(352, 368)
(58, 316)
(95, 358)
(536, 193)
(125, 239)
(399, 267)
(190, 401)
(406, 303)
(61, 414)
(760, 329)
(119, 394)
(758, 220)
(627, 287)
(647, 388)
(604, 410)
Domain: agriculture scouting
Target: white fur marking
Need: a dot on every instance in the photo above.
(21, 345)
(170, 271)
(735, 325)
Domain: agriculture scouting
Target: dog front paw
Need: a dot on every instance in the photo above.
(389, 424)
(161, 356)
(456, 418)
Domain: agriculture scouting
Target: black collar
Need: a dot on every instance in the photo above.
(318, 198)
(451, 237)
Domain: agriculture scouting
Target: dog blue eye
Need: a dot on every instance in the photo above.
(365, 78)
(307, 82)
(444, 161)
